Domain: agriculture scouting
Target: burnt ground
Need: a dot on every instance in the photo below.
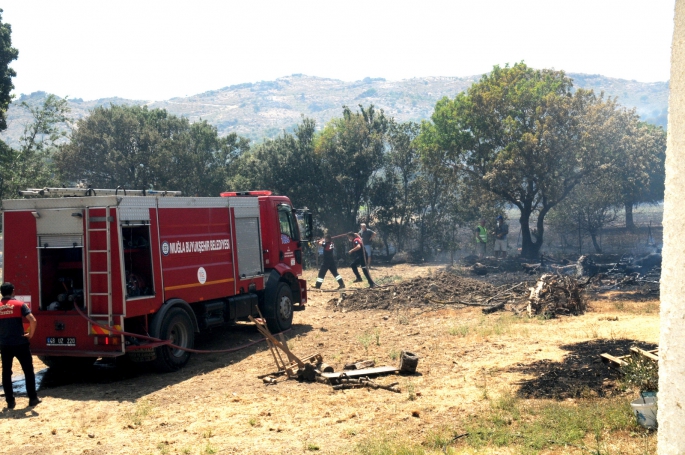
(420, 292)
(579, 374)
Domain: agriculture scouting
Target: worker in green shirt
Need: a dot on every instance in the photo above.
(481, 238)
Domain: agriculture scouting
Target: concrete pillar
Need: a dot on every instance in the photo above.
(671, 414)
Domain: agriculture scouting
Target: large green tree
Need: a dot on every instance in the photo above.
(350, 151)
(139, 148)
(525, 136)
(7, 55)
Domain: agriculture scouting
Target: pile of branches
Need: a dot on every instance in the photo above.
(556, 294)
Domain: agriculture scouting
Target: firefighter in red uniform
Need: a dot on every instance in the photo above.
(328, 263)
(359, 259)
(15, 343)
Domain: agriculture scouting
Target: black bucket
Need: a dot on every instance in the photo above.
(408, 362)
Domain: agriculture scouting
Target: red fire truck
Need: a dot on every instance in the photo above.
(94, 263)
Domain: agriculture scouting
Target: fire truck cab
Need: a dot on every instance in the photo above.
(100, 266)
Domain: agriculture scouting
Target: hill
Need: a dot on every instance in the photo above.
(264, 109)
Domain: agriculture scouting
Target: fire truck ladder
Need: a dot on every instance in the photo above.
(90, 272)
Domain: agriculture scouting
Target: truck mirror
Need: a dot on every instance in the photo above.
(305, 222)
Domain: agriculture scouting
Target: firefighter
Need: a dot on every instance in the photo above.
(501, 232)
(481, 238)
(15, 343)
(359, 258)
(328, 263)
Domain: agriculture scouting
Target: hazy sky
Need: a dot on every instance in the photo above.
(155, 50)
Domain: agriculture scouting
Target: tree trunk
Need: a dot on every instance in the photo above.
(593, 235)
(530, 249)
(629, 215)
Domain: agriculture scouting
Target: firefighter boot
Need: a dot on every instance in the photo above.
(318, 283)
(341, 283)
(368, 277)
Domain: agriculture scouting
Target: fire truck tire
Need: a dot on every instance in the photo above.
(177, 327)
(67, 363)
(283, 311)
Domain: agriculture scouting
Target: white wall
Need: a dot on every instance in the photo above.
(671, 438)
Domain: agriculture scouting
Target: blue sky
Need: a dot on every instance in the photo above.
(156, 50)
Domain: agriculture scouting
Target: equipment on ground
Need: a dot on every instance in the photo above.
(95, 263)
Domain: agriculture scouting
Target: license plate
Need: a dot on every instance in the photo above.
(61, 341)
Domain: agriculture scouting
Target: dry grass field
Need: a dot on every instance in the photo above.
(494, 383)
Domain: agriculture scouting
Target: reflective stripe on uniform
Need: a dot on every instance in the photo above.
(338, 278)
(319, 280)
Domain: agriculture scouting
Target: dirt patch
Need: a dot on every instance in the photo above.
(217, 404)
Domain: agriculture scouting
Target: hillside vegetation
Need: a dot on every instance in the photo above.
(264, 109)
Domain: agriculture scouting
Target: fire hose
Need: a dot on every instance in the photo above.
(156, 342)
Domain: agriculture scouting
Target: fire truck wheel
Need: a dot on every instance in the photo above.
(284, 309)
(178, 328)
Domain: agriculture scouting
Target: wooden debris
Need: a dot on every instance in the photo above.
(651, 355)
(368, 383)
(615, 362)
(618, 362)
(554, 294)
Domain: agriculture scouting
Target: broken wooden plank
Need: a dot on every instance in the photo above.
(363, 372)
(614, 361)
(649, 354)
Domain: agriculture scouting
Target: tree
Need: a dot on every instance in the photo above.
(640, 174)
(350, 151)
(286, 165)
(526, 137)
(31, 165)
(7, 55)
(393, 190)
(138, 148)
(589, 208)
(196, 162)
